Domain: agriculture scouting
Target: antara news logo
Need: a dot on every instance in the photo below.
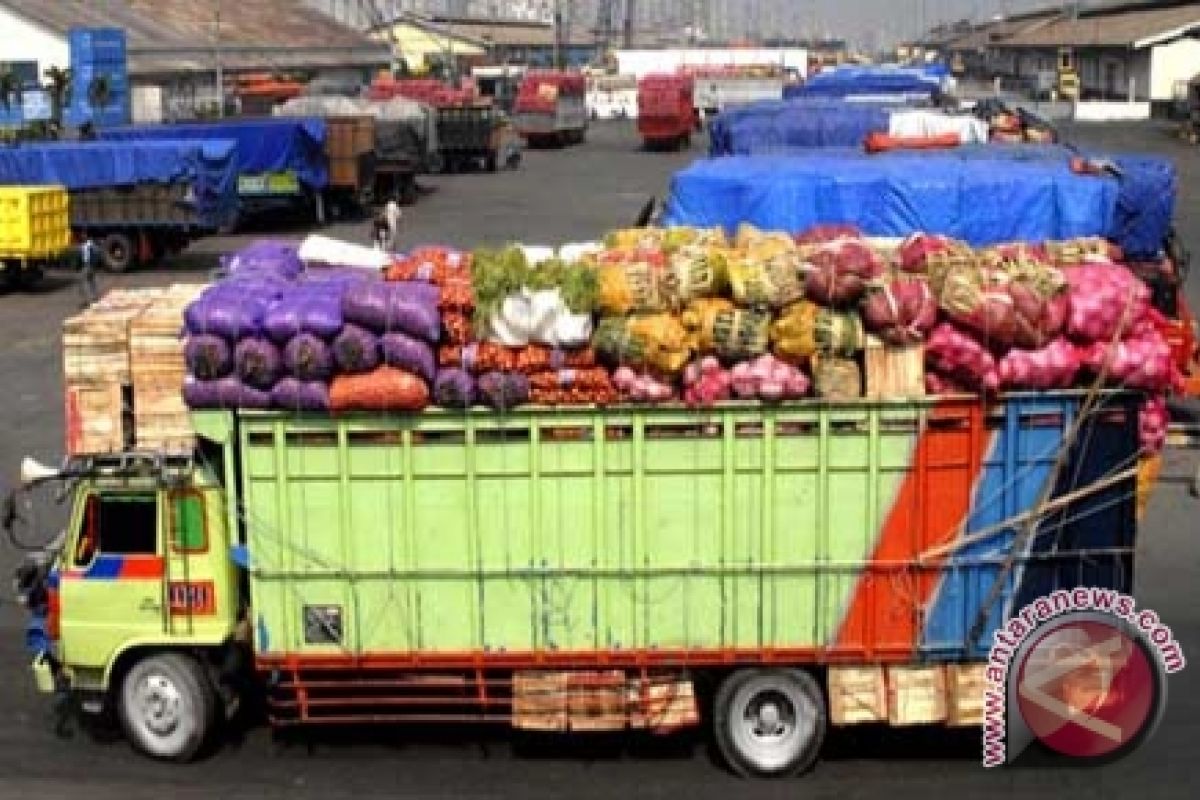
(1081, 671)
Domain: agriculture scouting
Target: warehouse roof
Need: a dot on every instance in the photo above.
(181, 35)
(1127, 27)
(496, 33)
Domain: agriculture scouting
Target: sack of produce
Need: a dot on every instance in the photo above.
(765, 283)
(706, 383)
(837, 378)
(502, 390)
(227, 392)
(977, 299)
(922, 251)
(454, 388)
(308, 358)
(298, 395)
(1015, 258)
(1038, 318)
(409, 307)
(805, 328)
(629, 288)
(642, 387)
(356, 350)
(384, 389)
(699, 319)
(267, 257)
(457, 328)
(768, 378)
(1105, 302)
(759, 245)
(540, 358)
(1084, 250)
(1143, 361)
(959, 356)
(824, 234)
(1051, 367)
(409, 354)
(479, 357)
(936, 384)
(901, 310)
(518, 304)
(540, 317)
(448, 269)
(693, 273)
(656, 342)
(570, 387)
(207, 357)
(741, 334)
(231, 311)
(258, 362)
(313, 308)
(837, 274)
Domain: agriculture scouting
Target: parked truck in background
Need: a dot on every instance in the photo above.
(551, 108)
(35, 232)
(770, 570)
(666, 112)
(137, 201)
(718, 89)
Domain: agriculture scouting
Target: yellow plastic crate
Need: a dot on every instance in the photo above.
(35, 221)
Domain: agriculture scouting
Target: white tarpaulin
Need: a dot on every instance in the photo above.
(919, 123)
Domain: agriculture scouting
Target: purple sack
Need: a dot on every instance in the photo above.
(312, 308)
(454, 388)
(231, 311)
(266, 257)
(503, 390)
(409, 354)
(225, 393)
(297, 395)
(308, 358)
(408, 306)
(355, 350)
(258, 362)
(208, 357)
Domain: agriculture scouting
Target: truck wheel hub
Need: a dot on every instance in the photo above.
(159, 700)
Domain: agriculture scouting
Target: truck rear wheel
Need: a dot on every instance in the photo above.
(118, 253)
(769, 723)
(167, 707)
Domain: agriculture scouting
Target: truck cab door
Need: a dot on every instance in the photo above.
(111, 588)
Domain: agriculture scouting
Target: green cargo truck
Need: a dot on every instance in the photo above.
(761, 568)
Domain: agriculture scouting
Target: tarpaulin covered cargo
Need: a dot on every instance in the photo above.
(982, 194)
(263, 145)
(775, 126)
(209, 168)
(851, 81)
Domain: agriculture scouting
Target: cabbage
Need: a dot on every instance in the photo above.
(356, 350)
(258, 362)
(308, 358)
(208, 357)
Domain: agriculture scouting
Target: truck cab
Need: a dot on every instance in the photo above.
(135, 607)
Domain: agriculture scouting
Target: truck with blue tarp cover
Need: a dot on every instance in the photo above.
(869, 81)
(981, 194)
(138, 200)
(281, 161)
(773, 126)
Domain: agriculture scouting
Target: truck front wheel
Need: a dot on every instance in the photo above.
(167, 707)
(118, 252)
(769, 723)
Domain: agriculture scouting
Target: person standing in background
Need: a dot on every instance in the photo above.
(88, 292)
(393, 215)
(379, 233)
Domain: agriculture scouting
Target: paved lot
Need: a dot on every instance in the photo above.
(558, 196)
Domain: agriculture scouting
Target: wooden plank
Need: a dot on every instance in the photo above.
(894, 372)
(95, 419)
(964, 694)
(857, 695)
(916, 695)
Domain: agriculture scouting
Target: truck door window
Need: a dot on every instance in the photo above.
(117, 525)
(189, 533)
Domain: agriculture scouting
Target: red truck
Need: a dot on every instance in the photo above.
(666, 110)
(550, 108)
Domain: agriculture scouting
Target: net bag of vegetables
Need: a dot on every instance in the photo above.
(384, 389)
(805, 328)
(657, 342)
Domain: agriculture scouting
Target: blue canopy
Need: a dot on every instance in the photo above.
(209, 167)
(285, 144)
(983, 195)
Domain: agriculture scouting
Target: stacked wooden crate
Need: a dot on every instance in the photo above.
(157, 370)
(97, 375)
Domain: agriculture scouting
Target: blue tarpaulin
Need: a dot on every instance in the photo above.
(983, 195)
(209, 167)
(853, 81)
(777, 126)
(264, 145)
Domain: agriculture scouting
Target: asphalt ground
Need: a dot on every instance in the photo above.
(558, 196)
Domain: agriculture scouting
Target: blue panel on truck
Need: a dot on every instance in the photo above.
(264, 145)
(982, 194)
(209, 167)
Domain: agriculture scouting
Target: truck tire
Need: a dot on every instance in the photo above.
(117, 252)
(167, 707)
(769, 723)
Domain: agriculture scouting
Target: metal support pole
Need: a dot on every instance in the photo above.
(220, 66)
